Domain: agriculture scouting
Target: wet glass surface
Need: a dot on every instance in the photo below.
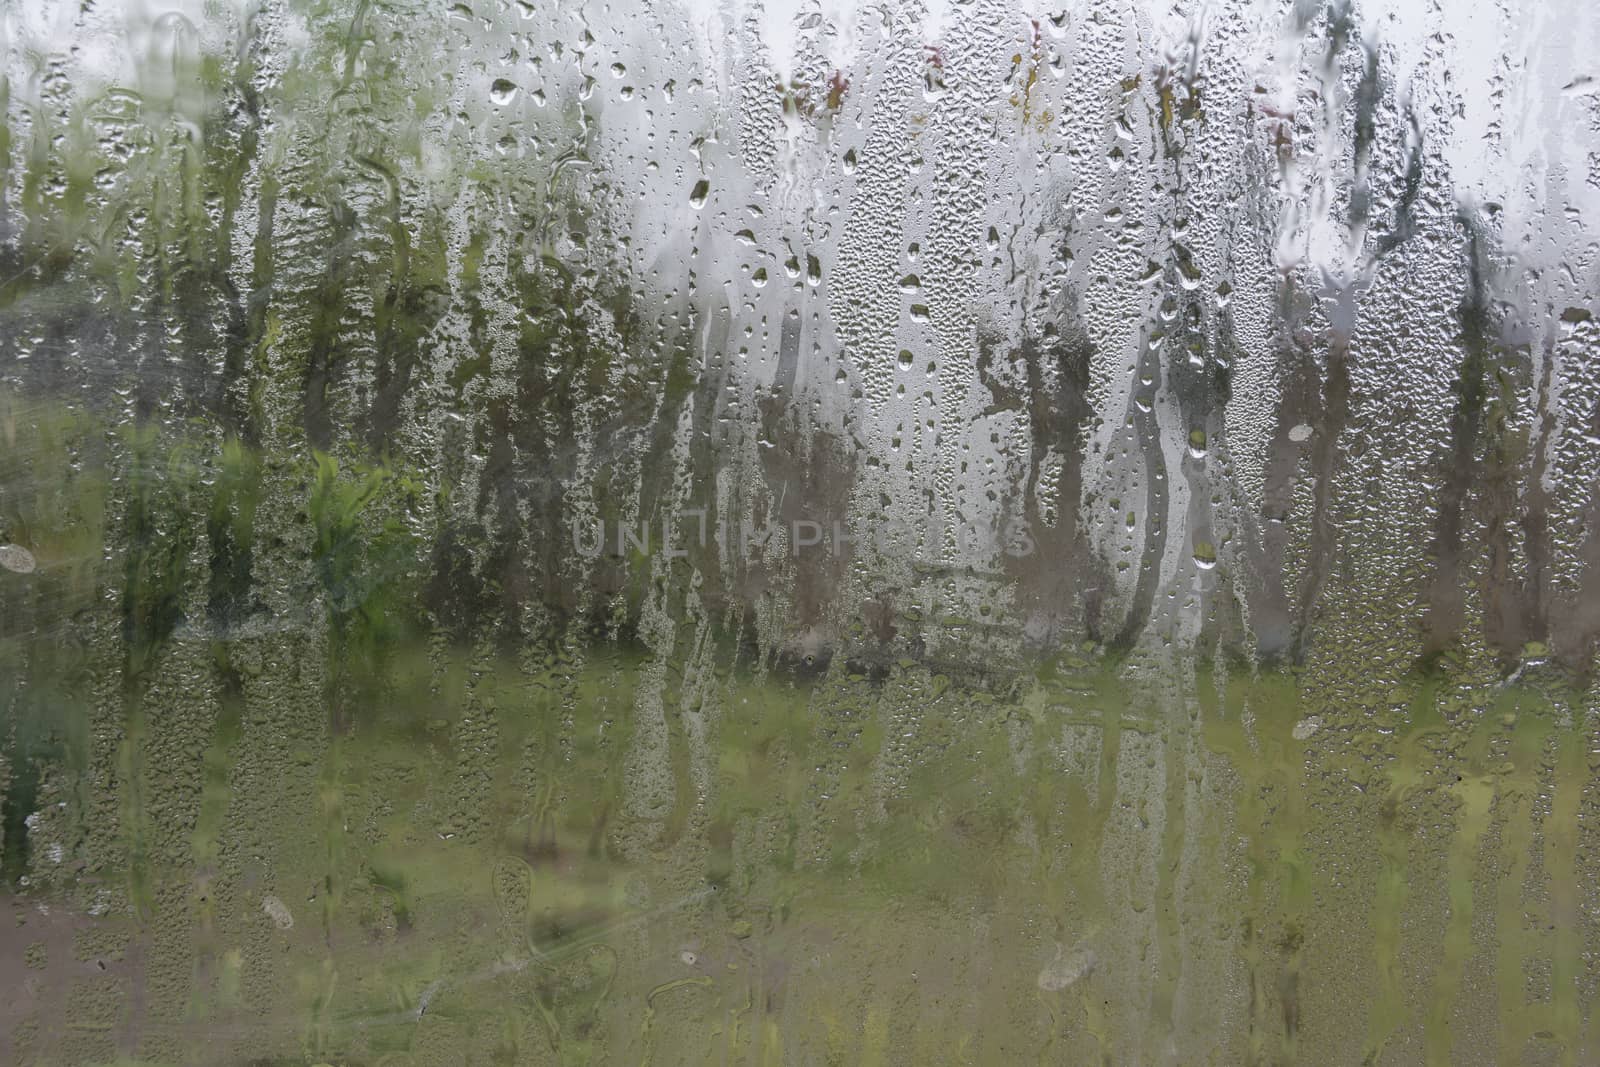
(556, 532)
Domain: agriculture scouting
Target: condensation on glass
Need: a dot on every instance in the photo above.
(951, 532)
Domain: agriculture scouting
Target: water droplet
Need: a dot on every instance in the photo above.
(502, 92)
(16, 558)
(697, 195)
(1306, 727)
(1066, 969)
(278, 912)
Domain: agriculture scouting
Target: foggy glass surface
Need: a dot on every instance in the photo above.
(556, 532)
